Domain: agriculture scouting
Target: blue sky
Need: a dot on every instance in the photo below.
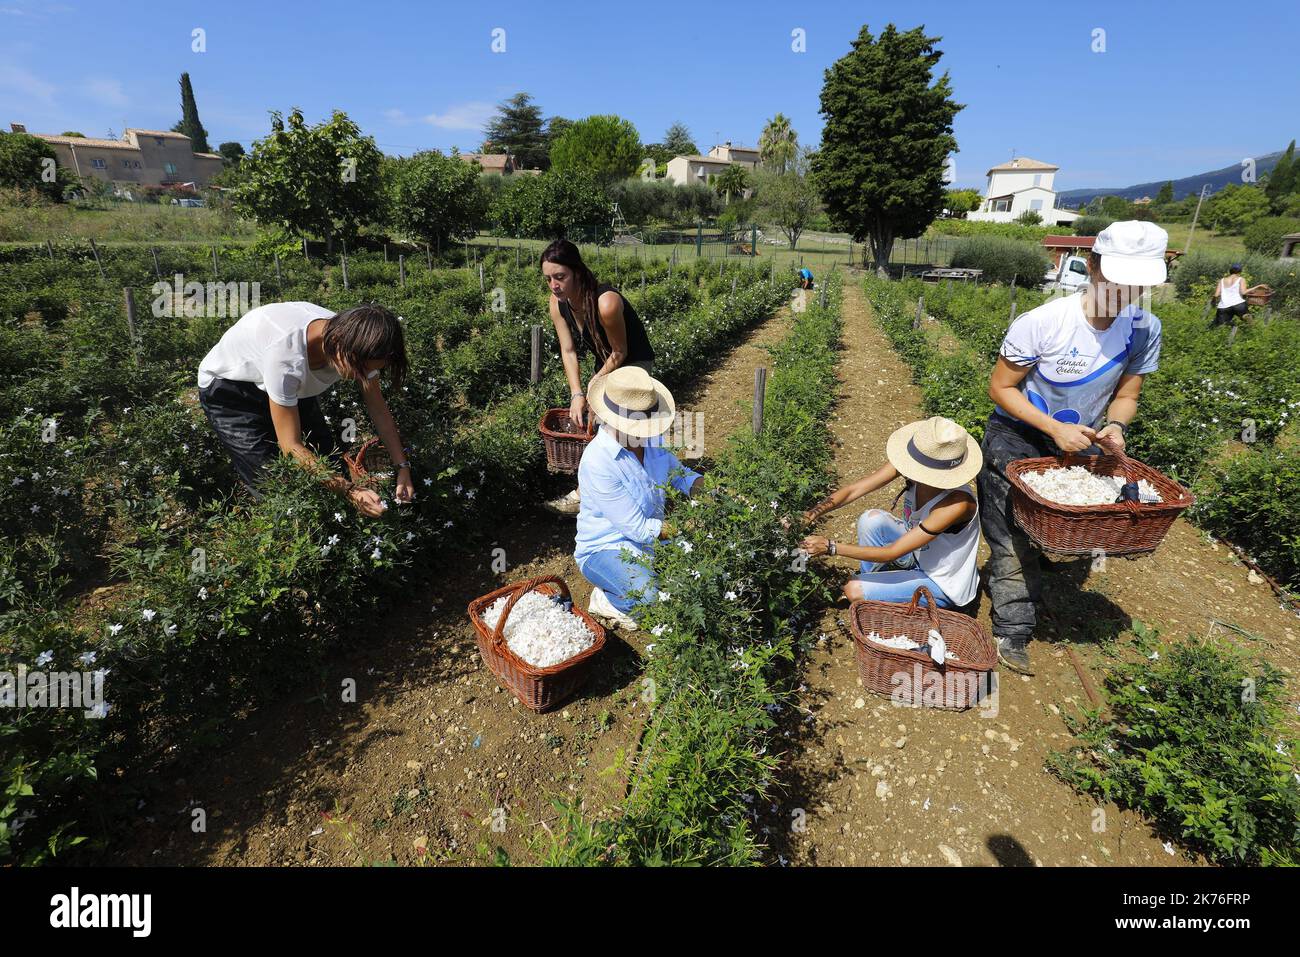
(1178, 90)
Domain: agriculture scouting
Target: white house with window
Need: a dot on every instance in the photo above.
(1019, 186)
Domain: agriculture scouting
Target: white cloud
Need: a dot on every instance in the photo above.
(463, 116)
(105, 90)
(397, 117)
(14, 79)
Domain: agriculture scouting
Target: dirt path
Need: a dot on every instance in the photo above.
(433, 753)
(887, 785)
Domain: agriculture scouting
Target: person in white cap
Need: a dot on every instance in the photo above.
(936, 542)
(622, 476)
(1067, 379)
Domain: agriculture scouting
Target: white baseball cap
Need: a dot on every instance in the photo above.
(1132, 253)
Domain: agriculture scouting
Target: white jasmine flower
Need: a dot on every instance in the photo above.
(695, 574)
(44, 658)
(100, 710)
(730, 596)
(665, 596)
(687, 547)
(203, 593)
(376, 555)
(1169, 848)
(88, 657)
(324, 550)
(338, 516)
(148, 614)
(658, 630)
(1154, 656)
(35, 509)
(428, 481)
(169, 630)
(334, 540)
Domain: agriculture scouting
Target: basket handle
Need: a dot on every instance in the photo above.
(931, 610)
(518, 590)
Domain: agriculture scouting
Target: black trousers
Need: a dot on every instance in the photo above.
(1230, 315)
(240, 414)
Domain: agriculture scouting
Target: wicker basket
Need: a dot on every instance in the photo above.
(904, 675)
(369, 463)
(1259, 295)
(1122, 528)
(564, 441)
(538, 688)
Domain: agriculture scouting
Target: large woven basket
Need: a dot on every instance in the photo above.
(564, 440)
(1123, 528)
(1259, 295)
(370, 463)
(905, 675)
(538, 688)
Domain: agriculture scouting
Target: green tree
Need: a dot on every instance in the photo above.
(1030, 217)
(1234, 208)
(885, 144)
(959, 202)
(678, 142)
(189, 124)
(1283, 180)
(549, 205)
(323, 179)
(435, 197)
(604, 145)
(1116, 207)
(787, 200)
(73, 133)
(1264, 236)
(1166, 194)
(778, 144)
(732, 181)
(232, 153)
(517, 129)
(28, 162)
(555, 128)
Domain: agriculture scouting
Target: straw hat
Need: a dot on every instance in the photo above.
(936, 452)
(630, 400)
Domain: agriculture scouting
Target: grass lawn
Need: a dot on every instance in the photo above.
(1203, 240)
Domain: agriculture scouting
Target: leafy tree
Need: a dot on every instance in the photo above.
(604, 145)
(435, 197)
(1166, 194)
(778, 145)
(959, 202)
(556, 127)
(547, 206)
(731, 182)
(678, 142)
(1264, 236)
(232, 152)
(1283, 180)
(322, 179)
(1030, 217)
(80, 136)
(25, 164)
(189, 124)
(1116, 207)
(888, 133)
(1234, 208)
(789, 199)
(517, 129)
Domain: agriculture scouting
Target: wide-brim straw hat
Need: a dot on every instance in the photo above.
(631, 400)
(936, 452)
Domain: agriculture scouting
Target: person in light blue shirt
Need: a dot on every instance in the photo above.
(622, 479)
(805, 278)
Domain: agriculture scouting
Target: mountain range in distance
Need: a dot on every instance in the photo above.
(1186, 186)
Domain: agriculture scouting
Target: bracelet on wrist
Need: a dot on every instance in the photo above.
(831, 548)
(1123, 426)
(403, 465)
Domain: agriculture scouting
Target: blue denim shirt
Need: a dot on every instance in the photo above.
(622, 502)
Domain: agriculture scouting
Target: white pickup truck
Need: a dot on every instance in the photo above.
(1070, 275)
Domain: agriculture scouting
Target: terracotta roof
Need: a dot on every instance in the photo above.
(215, 156)
(1073, 242)
(487, 160)
(717, 160)
(132, 129)
(1020, 164)
(87, 141)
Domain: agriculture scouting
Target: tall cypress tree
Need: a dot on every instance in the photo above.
(189, 124)
(1283, 180)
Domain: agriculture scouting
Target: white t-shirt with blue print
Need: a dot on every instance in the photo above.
(1075, 368)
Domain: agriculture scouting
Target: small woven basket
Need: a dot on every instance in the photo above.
(1122, 528)
(539, 688)
(1259, 295)
(904, 675)
(564, 441)
(369, 463)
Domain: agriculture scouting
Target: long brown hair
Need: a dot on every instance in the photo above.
(566, 254)
(364, 333)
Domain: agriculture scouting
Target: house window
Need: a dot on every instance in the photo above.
(169, 167)
(126, 164)
(1038, 179)
(137, 164)
(1035, 204)
(1002, 206)
(98, 164)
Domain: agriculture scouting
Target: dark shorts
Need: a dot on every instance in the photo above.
(1227, 315)
(240, 414)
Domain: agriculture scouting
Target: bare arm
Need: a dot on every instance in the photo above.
(382, 419)
(951, 510)
(610, 306)
(1123, 407)
(849, 493)
(572, 367)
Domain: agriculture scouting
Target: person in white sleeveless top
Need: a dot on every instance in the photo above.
(1230, 293)
(936, 542)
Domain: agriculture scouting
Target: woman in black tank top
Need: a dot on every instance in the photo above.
(590, 316)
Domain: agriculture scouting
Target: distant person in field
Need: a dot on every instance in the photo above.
(1067, 379)
(805, 278)
(589, 316)
(259, 387)
(623, 475)
(1230, 297)
(936, 543)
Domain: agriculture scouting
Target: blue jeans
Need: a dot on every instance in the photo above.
(876, 529)
(608, 571)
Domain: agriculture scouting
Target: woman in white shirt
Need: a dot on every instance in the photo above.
(1230, 294)
(936, 542)
(259, 385)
